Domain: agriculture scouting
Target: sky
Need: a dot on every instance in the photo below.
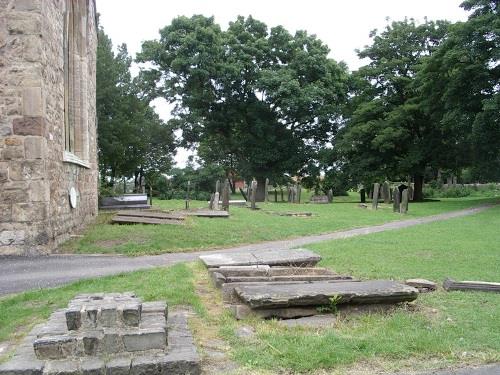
(341, 24)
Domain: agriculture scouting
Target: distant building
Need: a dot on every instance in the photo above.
(48, 157)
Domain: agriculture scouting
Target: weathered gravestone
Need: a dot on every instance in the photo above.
(299, 193)
(216, 201)
(114, 333)
(386, 192)
(187, 194)
(225, 196)
(319, 199)
(404, 202)
(376, 192)
(253, 195)
(319, 293)
(266, 190)
(288, 257)
(217, 187)
(362, 195)
(330, 196)
(396, 200)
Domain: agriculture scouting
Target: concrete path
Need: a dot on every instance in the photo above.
(24, 273)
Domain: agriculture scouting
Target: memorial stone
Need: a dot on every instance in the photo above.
(376, 192)
(396, 200)
(404, 202)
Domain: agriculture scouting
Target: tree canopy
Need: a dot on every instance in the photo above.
(258, 101)
(132, 140)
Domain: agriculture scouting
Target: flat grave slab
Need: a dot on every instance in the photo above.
(208, 213)
(318, 293)
(119, 219)
(286, 257)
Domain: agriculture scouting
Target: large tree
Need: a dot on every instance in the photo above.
(388, 135)
(258, 101)
(132, 140)
(460, 86)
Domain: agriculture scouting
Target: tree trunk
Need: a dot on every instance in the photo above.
(418, 182)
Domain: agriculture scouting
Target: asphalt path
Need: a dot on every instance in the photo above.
(19, 274)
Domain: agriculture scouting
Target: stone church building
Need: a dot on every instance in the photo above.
(48, 156)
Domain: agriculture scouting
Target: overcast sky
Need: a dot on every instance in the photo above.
(343, 25)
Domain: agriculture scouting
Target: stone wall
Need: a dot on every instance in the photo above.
(36, 171)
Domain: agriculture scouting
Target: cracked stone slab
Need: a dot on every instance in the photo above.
(318, 293)
(284, 257)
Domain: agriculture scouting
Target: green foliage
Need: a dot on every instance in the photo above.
(132, 140)
(459, 85)
(258, 101)
(489, 190)
(388, 135)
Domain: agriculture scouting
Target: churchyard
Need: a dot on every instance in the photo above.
(438, 329)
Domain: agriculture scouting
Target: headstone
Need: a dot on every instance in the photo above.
(376, 189)
(319, 199)
(289, 188)
(410, 192)
(216, 201)
(217, 187)
(266, 191)
(396, 200)
(225, 196)
(330, 196)
(362, 195)
(253, 195)
(275, 194)
(404, 202)
(211, 203)
(299, 192)
(386, 193)
(187, 195)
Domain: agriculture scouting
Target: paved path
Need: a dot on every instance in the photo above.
(24, 273)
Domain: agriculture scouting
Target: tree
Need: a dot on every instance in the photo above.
(132, 140)
(256, 101)
(387, 134)
(460, 86)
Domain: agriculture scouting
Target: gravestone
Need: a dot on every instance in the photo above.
(225, 196)
(362, 196)
(410, 192)
(376, 192)
(319, 199)
(113, 333)
(217, 187)
(216, 201)
(396, 200)
(386, 192)
(319, 293)
(404, 202)
(299, 193)
(187, 194)
(253, 195)
(211, 203)
(266, 191)
(288, 257)
(330, 196)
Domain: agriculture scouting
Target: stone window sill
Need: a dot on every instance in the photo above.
(69, 157)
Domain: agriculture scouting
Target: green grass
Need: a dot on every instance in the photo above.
(441, 328)
(18, 313)
(245, 226)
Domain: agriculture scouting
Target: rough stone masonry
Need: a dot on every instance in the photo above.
(47, 122)
(114, 333)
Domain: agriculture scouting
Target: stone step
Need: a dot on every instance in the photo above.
(320, 293)
(285, 257)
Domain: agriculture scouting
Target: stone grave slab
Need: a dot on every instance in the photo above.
(114, 333)
(318, 293)
(208, 213)
(285, 257)
(235, 275)
(319, 199)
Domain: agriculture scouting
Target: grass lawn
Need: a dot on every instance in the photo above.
(245, 226)
(439, 329)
